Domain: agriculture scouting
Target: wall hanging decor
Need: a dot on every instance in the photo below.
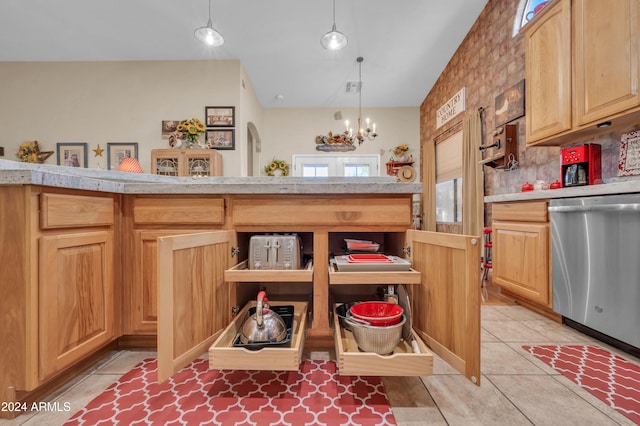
(169, 127)
(117, 151)
(216, 116)
(221, 139)
(510, 104)
(72, 154)
(277, 168)
(629, 160)
(29, 152)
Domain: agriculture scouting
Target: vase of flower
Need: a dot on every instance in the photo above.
(190, 132)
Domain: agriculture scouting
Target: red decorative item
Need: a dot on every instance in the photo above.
(381, 314)
(555, 184)
(526, 187)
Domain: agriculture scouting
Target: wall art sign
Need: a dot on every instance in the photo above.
(629, 160)
(451, 108)
(510, 104)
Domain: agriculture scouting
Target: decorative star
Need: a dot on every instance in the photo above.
(98, 151)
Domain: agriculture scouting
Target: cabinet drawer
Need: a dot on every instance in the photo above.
(223, 355)
(187, 211)
(523, 211)
(63, 211)
(323, 211)
(403, 362)
(241, 273)
(404, 277)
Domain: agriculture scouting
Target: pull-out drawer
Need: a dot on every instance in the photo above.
(403, 362)
(224, 355)
(380, 277)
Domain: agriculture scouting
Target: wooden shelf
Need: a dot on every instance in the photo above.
(392, 277)
(241, 273)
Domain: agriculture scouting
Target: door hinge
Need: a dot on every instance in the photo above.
(407, 251)
(235, 251)
(234, 311)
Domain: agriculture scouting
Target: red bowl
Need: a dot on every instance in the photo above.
(382, 314)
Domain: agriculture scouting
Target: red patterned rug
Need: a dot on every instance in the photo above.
(611, 378)
(313, 395)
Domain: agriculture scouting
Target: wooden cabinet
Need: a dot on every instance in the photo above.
(521, 250)
(606, 58)
(445, 299)
(76, 298)
(582, 69)
(548, 73)
(186, 162)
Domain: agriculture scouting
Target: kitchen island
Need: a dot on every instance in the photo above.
(85, 247)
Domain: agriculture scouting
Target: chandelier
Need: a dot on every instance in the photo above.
(367, 131)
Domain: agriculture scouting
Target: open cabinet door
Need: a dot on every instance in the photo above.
(446, 304)
(193, 299)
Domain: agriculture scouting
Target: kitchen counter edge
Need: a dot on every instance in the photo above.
(610, 188)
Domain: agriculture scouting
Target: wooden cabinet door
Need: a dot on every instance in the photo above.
(548, 73)
(446, 304)
(606, 58)
(521, 259)
(193, 298)
(76, 306)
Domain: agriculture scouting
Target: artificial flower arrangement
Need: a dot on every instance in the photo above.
(29, 152)
(337, 138)
(270, 169)
(190, 130)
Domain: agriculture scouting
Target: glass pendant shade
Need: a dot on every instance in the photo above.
(333, 40)
(209, 36)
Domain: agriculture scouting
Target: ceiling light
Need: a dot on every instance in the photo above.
(208, 35)
(334, 39)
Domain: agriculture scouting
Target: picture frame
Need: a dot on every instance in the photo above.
(510, 104)
(221, 139)
(217, 116)
(72, 154)
(168, 127)
(116, 151)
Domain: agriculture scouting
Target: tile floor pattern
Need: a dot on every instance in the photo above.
(516, 388)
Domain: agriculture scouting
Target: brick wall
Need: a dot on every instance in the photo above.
(488, 62)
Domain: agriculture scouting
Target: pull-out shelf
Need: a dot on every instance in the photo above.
(403, 362)
(385, 277)
(241, 273)
(223, 355)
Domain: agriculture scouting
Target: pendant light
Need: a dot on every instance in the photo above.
(334, 39)
(208, 35)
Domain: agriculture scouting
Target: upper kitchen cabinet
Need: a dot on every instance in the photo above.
(605, 58)
(582, 69)
(548, 73)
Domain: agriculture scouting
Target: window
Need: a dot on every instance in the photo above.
(331, 165)
(527, 10)
(449, 179)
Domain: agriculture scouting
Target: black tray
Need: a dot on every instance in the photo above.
(286, 312)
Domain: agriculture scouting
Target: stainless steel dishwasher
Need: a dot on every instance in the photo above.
(596, 263)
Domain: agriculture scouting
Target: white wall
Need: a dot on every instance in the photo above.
(293, 131)
(101, 102)
(126, 101)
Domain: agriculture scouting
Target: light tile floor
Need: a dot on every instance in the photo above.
(516, 388)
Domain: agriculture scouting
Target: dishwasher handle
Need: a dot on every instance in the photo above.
(631, 207)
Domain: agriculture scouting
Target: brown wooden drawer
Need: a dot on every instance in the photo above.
(378, 277)
(223, 355)
(322, 211)
(403, 362)
(522, 211)
(242, 273)
(187, 211)
(66, 211)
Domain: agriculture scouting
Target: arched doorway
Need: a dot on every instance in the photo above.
(253, 146)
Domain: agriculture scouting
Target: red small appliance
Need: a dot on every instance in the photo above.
(581, 165)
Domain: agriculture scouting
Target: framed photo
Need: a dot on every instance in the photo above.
(117, 151)
(221, 138)
(72, 154)
(220, 116)
(168, 127)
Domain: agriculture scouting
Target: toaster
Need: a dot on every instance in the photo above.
(275, 252)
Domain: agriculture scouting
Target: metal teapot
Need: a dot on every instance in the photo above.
(264, 325)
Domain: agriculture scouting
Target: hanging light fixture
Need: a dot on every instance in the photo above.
(334, 39)
(367, 132)
(208, 35)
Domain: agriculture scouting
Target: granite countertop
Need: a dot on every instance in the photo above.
(609, 187)
(17, 173)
